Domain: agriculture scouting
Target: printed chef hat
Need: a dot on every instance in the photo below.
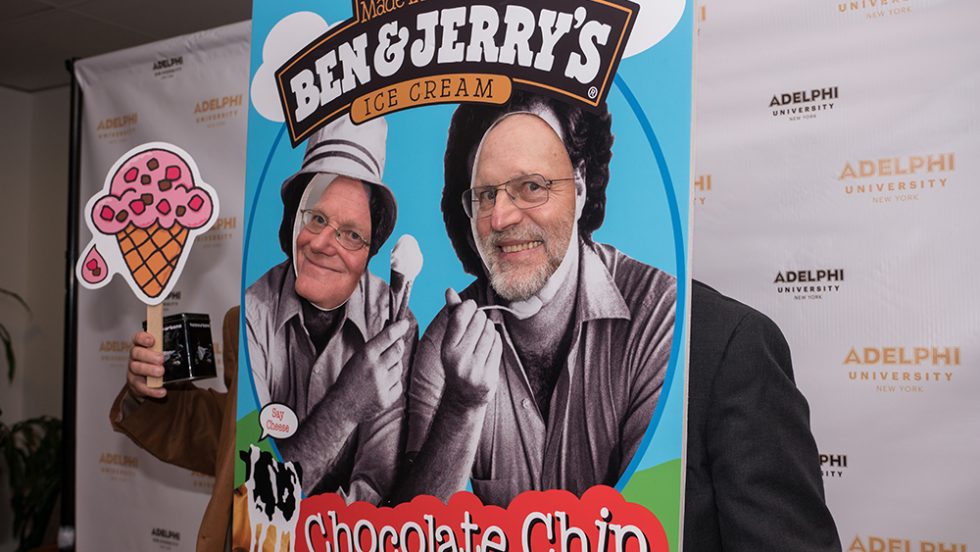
(341, 148)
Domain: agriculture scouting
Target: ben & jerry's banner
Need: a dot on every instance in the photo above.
(465, 282)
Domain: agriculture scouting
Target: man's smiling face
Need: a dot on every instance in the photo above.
(522, 248)
(326, 273)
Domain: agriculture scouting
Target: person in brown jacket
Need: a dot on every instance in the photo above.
(186, 426)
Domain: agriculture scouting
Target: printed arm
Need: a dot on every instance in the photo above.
(368, 388)
(380, 442)
(650, 355)
(259, 360)
(446, 421)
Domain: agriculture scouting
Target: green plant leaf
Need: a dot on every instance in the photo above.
(17, 298)
(8, 349)
(31, 450)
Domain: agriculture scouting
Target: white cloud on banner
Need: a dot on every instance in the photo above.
(654, 22)
(287, 37)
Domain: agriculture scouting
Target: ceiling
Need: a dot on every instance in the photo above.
(38, 36)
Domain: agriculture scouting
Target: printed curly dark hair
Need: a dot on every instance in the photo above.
(588, 139)
(381, 219)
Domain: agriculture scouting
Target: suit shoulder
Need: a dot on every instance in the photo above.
(722, 325)
(722, 315)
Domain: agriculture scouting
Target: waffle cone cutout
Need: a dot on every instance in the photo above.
(151, 254)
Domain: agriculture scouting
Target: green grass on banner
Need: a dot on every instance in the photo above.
(659, 490)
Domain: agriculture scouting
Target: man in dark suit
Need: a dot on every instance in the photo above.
(753, 477)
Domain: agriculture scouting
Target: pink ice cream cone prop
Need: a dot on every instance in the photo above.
(152, 205)
(144, 221)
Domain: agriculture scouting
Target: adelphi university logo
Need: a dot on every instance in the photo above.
(166, 68)
(874, 9)
(803, 104)
(118, 466)
(892, 369)
(870, 543)
(833, 466)
(173, 300)
(224, 229)
(809, 284)
(398, 54)
(898, 179)
(214, 112)
(114, 351)
(117, 127)
(701, 189)
(166, 537)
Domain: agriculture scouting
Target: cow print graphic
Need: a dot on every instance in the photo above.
(273, 500)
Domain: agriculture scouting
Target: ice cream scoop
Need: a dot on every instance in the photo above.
(406, 264)
(406, 257)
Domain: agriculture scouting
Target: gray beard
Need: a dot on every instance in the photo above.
(514, 289)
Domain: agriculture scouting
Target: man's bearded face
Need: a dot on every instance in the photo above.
(522, 248)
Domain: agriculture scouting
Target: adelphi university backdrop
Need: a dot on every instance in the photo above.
(841, 207)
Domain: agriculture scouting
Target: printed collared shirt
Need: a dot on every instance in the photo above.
(287, 370)
(602, 403)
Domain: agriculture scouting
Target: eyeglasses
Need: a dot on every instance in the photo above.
(525, 192)
(315, 222)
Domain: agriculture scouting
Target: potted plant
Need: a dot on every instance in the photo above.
(30, 451)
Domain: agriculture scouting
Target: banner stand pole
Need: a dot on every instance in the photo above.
(66, 528)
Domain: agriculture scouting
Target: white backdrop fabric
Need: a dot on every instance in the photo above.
(190, 91)
(836, 189)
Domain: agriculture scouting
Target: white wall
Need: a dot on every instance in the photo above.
(15, 152)
(47, 246)
(33, 226)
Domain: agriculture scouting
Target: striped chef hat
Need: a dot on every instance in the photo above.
(342, 148)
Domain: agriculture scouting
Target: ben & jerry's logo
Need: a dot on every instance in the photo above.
(118, 127)
(875, 9)
(394, 55)
(902, 369)
(810, 283)
(898, 179)
(167, 68)
(702, 187)
(893, 544)
(803, 104)
(833, 465)
(214, 112)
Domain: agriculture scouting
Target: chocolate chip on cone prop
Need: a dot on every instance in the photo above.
(144, 222)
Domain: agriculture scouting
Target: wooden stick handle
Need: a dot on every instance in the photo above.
(154, 326)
